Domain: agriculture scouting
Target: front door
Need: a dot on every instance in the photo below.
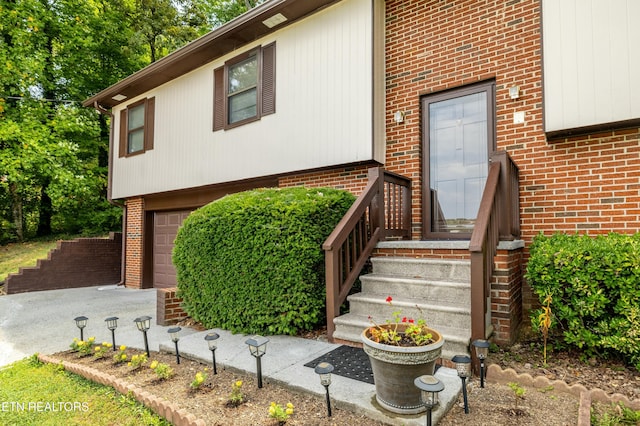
(458, 134)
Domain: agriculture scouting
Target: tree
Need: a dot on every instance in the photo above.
(54, 151)
(55, 53)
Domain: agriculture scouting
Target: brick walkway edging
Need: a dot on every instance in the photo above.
(496, 374)
(173, 414)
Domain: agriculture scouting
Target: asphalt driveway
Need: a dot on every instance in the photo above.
(43, 321)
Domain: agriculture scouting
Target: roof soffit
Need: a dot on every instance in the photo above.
(244, 29)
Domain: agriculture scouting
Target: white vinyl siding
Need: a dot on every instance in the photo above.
(324, 114)
(590, 62)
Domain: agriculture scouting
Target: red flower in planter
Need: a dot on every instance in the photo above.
(414, 334)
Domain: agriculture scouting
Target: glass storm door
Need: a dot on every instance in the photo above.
(458, 135)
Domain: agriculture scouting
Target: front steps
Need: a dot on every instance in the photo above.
(434, 289)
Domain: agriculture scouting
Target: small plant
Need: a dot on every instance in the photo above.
(416, 333)
(544, 323)
(198, 380)
(281, 414)
(163, 371)
(102, 350)
(137, 361)
(120, 356)
(237, 397)
(546, 389)
(613, 415)
(518, 392)
(83, 347)
(34, 361)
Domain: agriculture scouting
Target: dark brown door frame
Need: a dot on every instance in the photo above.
(486, 86)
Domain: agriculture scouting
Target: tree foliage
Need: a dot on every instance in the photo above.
(54, 54)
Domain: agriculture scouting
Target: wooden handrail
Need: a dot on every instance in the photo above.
(382, 210)
(499, 209)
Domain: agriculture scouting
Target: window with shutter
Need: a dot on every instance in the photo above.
(244, 88)
(136, 128)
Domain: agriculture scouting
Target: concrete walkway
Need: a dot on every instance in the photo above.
(43, 322)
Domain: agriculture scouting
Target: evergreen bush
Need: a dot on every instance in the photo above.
(595, 285)
(252, 262)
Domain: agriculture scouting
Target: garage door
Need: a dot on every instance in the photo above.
(165, 229)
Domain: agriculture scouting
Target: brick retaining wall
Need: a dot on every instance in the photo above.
(83, 262)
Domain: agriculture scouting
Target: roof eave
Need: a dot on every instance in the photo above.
(220, 41)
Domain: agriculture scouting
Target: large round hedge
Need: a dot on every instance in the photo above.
(252, 262)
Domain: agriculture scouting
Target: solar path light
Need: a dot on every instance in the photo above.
(429, 387)
(258, 347)
(324, 370)
(112, 324)
(143, 324)
(482, 350)
(463, 366)
(81, 323)
(173, 332)
(211, 341)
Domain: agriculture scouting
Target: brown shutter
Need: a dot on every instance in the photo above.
(149, 120)
(219, 103)
(269, 79)
(122, 148)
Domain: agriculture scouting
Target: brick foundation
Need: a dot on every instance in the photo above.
(506, 296)
(83, 262)
(169, 307)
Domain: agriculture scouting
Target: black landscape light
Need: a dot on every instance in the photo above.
(482, 351)
(81, 323)
(173, 332)
(324, 370)
(211, 341)
(463, 366)
(429, 387)
(258, 347)
(143, 324)
(112, 324)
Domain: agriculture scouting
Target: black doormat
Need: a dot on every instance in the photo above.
(348, 362)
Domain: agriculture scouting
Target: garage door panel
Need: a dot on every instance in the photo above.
(166, 225)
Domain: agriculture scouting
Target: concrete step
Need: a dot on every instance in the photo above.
(436, 290)
(349, 328)
(445, 292)
(430, 269)
(440, 314)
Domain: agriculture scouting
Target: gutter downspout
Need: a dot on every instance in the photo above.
(111, 201)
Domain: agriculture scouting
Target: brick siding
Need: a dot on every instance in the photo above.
(82, 262)
(169, 307)
(585, 184)
(134, 244)
(352, 179)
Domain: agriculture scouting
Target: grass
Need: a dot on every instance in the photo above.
(614, 415)
(32, 393)
(13, 256)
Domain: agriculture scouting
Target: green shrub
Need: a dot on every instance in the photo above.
(595, 285)
(252, 262)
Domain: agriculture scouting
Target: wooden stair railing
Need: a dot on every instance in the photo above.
(498, 218)
(383, 210)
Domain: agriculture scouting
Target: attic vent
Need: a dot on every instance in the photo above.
(119, 97)
(274, 20)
